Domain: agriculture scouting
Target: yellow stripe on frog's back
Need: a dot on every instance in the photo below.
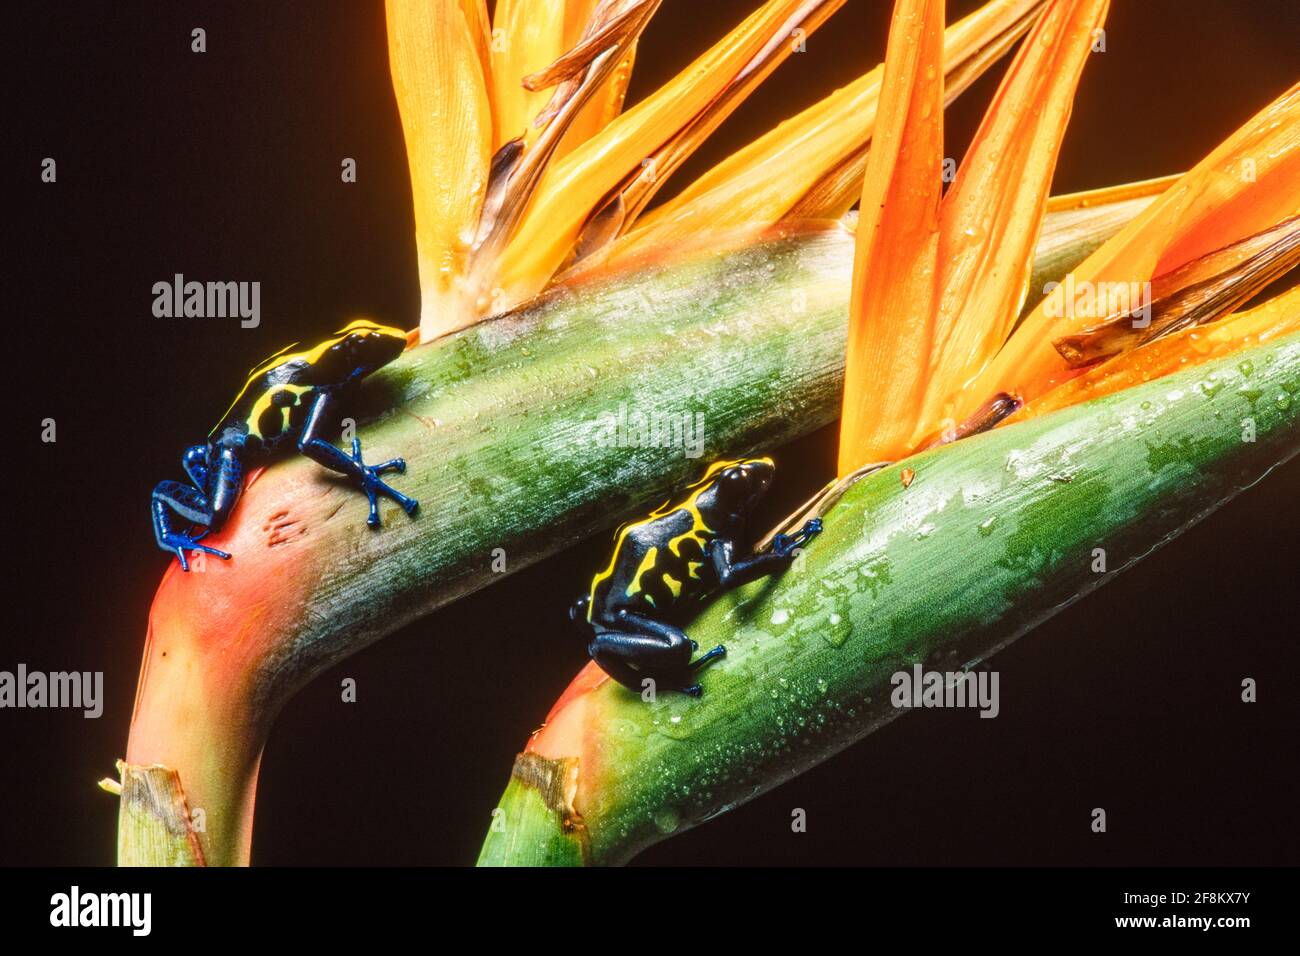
(309, 356)
(647, 565)
(266, 400)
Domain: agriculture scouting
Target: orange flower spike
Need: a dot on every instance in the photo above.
(811, 166)
(1249, 183)
(443, 101)
(480, 31)
(607, 101)
(689, 106)
(892, 305)
(529, 35)
(1257, 185)
(993, 212)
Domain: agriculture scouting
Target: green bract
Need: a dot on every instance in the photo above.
(992, 535)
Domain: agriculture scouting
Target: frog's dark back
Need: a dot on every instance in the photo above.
(657, 563)
(272, 408)
(660, 562)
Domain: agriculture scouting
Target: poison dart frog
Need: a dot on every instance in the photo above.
(679, 554)
(292, 396)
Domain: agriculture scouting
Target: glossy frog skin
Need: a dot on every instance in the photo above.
(677, 555)
(291, 398)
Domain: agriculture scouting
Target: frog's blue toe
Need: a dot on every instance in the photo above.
(785, 544)
(182, 543)
(709, 657)
(374, 486)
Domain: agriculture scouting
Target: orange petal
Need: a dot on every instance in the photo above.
(480, 31)
(892, 308)
(992, 214)
(1191, 346)
(447, 120)
(1199, 291)
(811, 166)
(527, 35)
(1097, 214)
(518, 167)
(648, 140)
(1091, 198)
(1249, 183)
(607, 102)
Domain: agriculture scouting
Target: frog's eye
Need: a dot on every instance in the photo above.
(737, 483)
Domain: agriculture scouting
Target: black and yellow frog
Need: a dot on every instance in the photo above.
(292, 397)
(679, 554)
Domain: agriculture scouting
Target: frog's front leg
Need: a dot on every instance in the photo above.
(323, 415)
(732, 573)
(631, 647)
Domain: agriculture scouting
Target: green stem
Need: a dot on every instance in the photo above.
(508, 432)
(992, 535)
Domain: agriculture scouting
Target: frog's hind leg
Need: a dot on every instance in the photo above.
(606, 650)
(708, 657)
(640, 648)
(172, 498)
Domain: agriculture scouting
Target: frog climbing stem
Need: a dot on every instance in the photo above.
(294, 396)
(214, 677)
(682, 552)
(811, 655)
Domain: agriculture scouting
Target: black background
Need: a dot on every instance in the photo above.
(226, 165)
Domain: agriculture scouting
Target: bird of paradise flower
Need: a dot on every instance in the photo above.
(527, 177)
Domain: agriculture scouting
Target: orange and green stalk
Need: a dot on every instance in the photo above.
(309, 584)
(939, 557)
(991, 536)
(745, 322)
